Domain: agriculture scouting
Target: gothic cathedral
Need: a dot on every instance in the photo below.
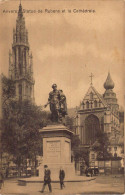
(21, 61)
(98, 113)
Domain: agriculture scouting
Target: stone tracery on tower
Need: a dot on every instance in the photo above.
(21, 61)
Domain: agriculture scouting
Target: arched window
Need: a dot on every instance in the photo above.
(91, 96)
(20, 92)
(95, 104)
(25, 57)
(19, 54)
(27, 90)
(30, 92)
(87, 104)
(20, 69)
(92, 127)
(99, 103)
(20, 61)
(83, 105)
(20, 35)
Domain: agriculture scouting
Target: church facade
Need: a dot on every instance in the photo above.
(21, 61)
(99, 113)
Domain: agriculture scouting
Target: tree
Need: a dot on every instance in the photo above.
(8, 90)
(21, 123)
(69, 122)
(79, 153)
(101, 146)
(21, 126)
(75, 141)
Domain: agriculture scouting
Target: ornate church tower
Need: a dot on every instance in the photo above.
(21, 61)
(109, 96)
(112, 115)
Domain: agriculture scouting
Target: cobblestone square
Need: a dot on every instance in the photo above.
(102, 185)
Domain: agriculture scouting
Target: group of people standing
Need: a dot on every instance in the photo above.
(47, 178)
(91, 171)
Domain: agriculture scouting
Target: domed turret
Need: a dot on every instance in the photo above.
(109, 96)
(109, 84)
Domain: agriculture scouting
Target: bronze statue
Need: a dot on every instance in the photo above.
(58, 105)
(63, 104)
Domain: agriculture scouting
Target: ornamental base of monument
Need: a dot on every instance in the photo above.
(57, 151)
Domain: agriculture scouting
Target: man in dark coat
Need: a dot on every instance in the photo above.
(61, 177)
(47, 179)
(1, 179)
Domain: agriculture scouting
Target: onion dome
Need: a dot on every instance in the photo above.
(109, 84)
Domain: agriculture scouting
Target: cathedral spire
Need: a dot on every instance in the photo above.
(20, 12)
(19, 60)
(20, 34)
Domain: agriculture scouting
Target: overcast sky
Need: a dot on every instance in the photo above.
(67, 47)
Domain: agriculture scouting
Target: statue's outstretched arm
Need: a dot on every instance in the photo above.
(46, 104)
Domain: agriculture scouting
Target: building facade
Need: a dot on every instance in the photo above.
(99, 113)
(21, 61)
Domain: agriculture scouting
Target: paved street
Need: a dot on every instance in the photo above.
(102, 184)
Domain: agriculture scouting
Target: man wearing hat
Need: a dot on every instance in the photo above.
(61, 178)
(47, 178)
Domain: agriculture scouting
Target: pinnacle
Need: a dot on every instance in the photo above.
(20, 13)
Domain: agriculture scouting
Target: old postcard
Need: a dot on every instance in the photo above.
(62, 97)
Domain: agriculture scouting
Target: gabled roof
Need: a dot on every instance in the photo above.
(94, 91)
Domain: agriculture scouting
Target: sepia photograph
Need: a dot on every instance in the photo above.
(62, 97)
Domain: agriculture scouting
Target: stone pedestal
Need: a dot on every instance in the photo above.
(57, 151)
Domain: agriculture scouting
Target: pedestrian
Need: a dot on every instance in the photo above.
(1, 179)
(86, 172)
(47, 178)
(61, 177)
(91, 172)
(7, 172)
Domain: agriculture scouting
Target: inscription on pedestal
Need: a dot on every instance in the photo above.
(53, 149)
(57, 151)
